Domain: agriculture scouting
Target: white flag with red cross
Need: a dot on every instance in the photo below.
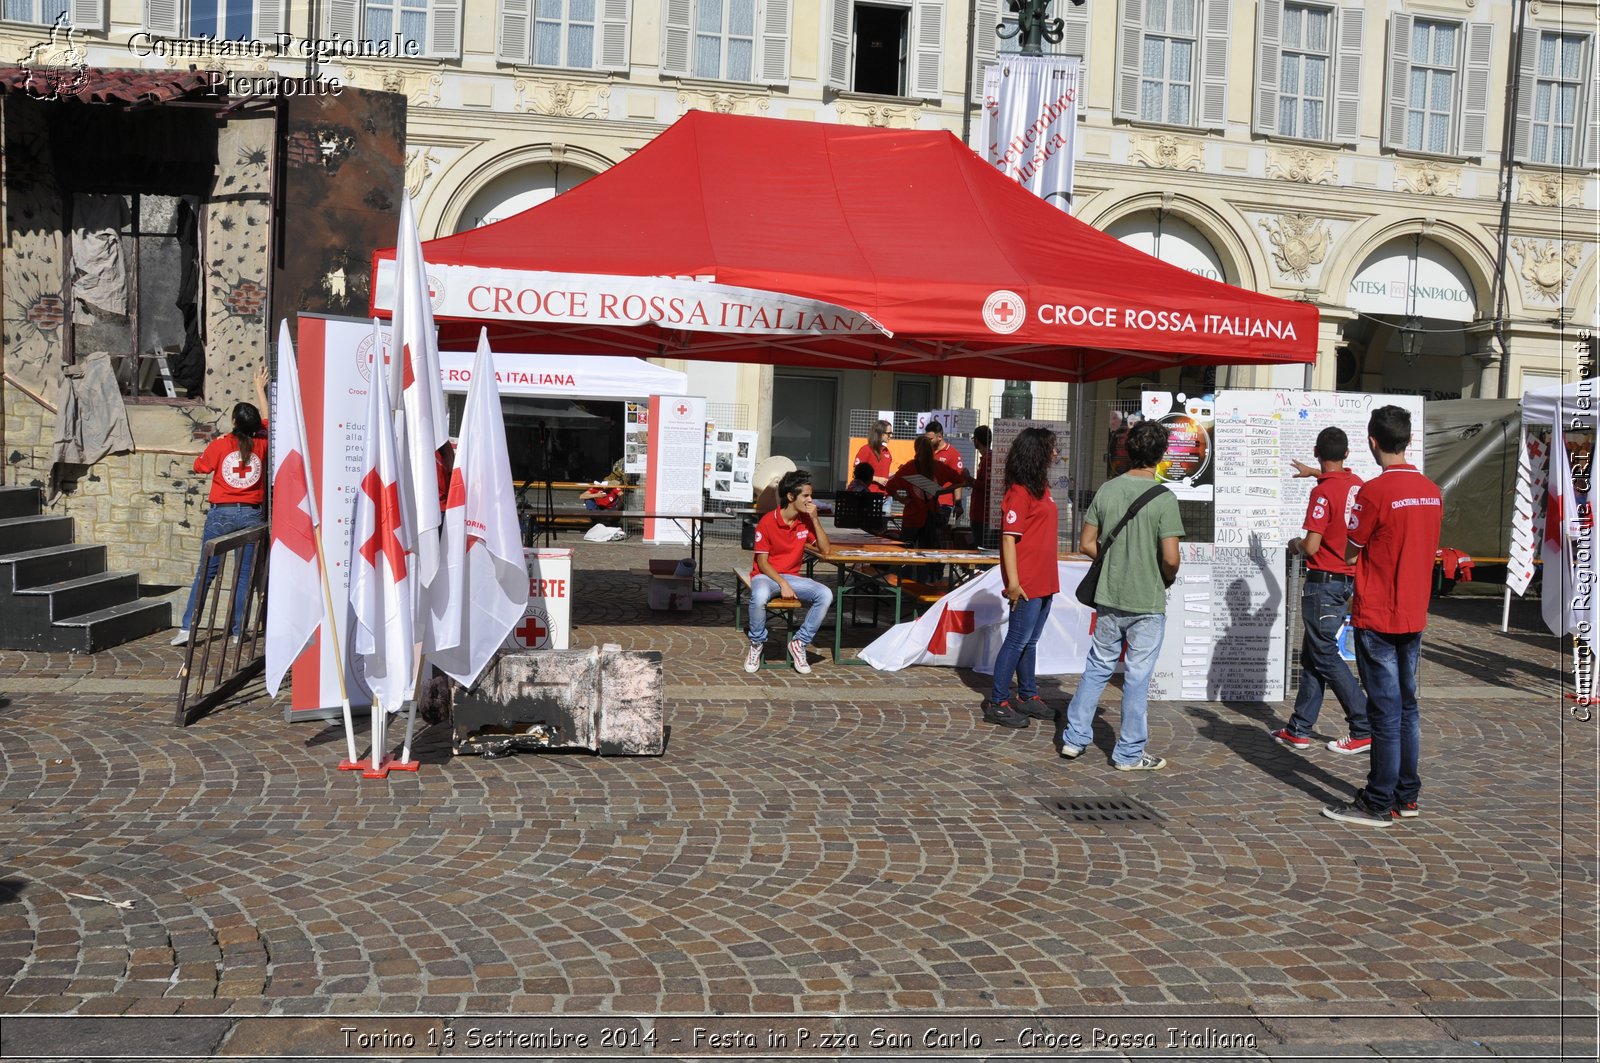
(381, 562)
(482, 538)
(294, 584)
(418, 399)
(1570, 564)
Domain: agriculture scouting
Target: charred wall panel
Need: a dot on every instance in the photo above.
(343, 176)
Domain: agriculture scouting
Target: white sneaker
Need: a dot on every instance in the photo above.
(1070, 751)
(181, 638)
(752, 660)
(797, 655)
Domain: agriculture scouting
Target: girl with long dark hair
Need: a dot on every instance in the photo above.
(237, 464)
(1028, 568)
(916, 519)
(875, 452)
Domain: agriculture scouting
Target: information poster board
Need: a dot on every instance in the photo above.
(1004, 431)
(635, 437)
(1183, 667)
(333, 356)
(673, 485)
(730, 463)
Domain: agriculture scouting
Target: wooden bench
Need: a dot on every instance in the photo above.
(791, 609)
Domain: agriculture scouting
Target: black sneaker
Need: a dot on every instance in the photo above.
(1003, 714)
(1036, 708)
(1356, 812)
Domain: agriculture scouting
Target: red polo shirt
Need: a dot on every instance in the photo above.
(784, 544)
(883, 466)
(1328, 515)
(949, 457)
(915, 513)
(1395, 523)
(1032, 521)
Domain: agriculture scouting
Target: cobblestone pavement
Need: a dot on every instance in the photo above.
(812, 851)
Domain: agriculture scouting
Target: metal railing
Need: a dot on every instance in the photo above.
(204, 683)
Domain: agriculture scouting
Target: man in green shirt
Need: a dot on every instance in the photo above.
(1130, 601)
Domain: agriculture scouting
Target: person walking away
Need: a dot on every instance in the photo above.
(1325, 600)
(982, 440)
(782, 536)
(1028, 570)
(237, 464)
(875, 452)
(1394, 530)
(1130, 601)
(949, 503)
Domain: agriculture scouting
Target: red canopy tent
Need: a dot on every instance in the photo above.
(798, 243)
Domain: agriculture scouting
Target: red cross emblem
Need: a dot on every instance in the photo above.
(531, 632)
(291, 524)
(385, 537)
(683, 410)
(1004, 312)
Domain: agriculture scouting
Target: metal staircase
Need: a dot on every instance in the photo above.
(55, 594)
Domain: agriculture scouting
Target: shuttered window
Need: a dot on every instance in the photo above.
(564, 33)
(1304, 66)
(42, 12)
(1555, 99)
(1167, 66)
(402, 21)
(1432, 86)
(725, 40)
(407, 27)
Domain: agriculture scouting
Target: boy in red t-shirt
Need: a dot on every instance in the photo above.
(782, 536)
(1394, 530)
(1325, 600)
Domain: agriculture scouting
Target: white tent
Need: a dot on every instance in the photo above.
(1572, 576)
(565, 376)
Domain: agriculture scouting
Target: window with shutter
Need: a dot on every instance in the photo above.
(564, 33)
(677, 30)
(985, 43)
(1550, 98)
(164, 17)
(1167, 57)
(226, 19)
(1349, 24)
(1305, 65)
(270, 19)
(87, 15)
(1214, 63)
(1397, 85)
(616, 19)
(40, 12)
(774, 55)
(1432, 86)
(511, 39)
(1475, 76)
(927, 65)
(724, 40)
(1130, 52)
(444, 28)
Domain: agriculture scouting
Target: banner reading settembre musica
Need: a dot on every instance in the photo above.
(1030, 117)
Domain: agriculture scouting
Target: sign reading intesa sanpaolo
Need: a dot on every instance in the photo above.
(475, 292)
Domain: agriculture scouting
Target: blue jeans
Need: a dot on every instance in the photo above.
(1018, 652)
(764, 588)
(1388, 666)
(1322, 609)
(220, 520)
(1142, 632)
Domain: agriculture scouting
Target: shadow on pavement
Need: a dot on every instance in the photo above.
(1249, 740)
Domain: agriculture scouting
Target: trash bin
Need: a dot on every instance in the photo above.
(747, 533)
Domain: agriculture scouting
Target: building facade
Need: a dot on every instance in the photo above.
(1343, 152)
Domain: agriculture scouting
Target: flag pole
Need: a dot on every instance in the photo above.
(379, 768)
(405, 763)
(350, 763)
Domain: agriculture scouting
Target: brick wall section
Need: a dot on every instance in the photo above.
(145, 508)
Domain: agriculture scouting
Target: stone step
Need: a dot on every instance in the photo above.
(112, 626)
(73, 597)
(20, 501)
(48, 564)
(33, 531)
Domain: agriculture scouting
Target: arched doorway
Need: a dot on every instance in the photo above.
(518, 190)
(1413, 299)
(1165, 235)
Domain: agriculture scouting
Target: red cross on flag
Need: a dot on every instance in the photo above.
(418, 399)
(1568, 549)
(294, 589)
(481, 559)
(380, 563)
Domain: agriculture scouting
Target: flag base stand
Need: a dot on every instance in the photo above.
(382, 768)
(351, 765)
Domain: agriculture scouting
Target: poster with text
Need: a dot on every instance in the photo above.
(1183, 667)
(674, 485)
(635, 437)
